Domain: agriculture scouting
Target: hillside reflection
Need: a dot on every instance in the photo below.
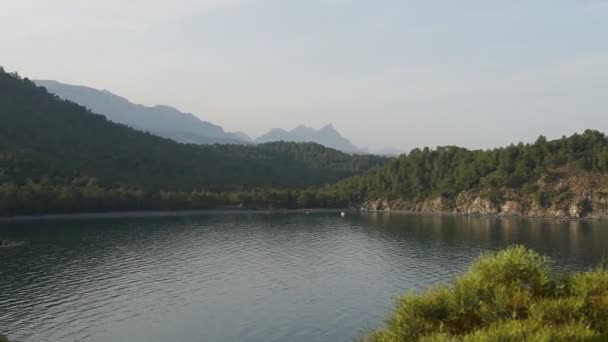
(584, 241)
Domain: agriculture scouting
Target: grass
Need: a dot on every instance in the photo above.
(508, 296)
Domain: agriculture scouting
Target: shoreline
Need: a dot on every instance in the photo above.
(156, 213)
(242, 211)
(497, 216)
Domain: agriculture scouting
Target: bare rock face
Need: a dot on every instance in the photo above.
(385, 205)
(373, 206)
(575, 211)
(558, 213)
(511, 208)
(433, 206)
(376, 205)
(473, 204)
(483, 206)
(535, 210)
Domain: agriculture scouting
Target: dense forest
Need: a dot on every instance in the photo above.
(447, 171)
(57, 156)
(566, 177)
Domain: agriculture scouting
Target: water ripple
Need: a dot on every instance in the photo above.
(254, 277)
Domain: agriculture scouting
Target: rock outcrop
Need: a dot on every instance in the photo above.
(576, 197)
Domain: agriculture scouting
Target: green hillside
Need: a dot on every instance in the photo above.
(43, 136)
(50, 143)
(566, 177)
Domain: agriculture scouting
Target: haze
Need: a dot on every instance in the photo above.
(386, 73)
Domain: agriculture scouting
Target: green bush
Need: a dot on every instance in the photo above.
(522, 331)
(4, 338)
(507, 296)
(591, 288)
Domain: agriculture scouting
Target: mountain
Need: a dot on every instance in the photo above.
(275, 134)
(57, 156)
(388, 151)
(327, 136)
(243, 136)
(169, 122)
(161, 120)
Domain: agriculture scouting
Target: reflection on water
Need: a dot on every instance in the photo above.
(572, 244)
(255, 277)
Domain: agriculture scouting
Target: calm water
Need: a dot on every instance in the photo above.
(247, 277)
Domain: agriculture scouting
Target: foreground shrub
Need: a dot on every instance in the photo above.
(507, 296)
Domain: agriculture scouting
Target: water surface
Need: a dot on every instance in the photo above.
(248, 276)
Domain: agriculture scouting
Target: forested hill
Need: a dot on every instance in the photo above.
(56, 156)
(45, 138)
(560, 178)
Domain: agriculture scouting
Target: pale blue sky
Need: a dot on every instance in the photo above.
(385, 72)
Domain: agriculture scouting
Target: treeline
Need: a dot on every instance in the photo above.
(447, 171)
(89, 195)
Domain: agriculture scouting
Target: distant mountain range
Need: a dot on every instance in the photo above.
(163, 121)
(327, 136)
(168, 122)
(388, 151)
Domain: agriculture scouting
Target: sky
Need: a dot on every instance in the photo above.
(386, 73)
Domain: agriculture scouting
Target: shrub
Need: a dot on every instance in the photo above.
(529, 330)
(507, 296)
(556, 311)
(417, 315)
(591, 288)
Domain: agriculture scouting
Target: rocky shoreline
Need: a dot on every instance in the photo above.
(470, 204)
(574, 197)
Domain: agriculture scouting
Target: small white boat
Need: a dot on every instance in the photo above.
(343, 214)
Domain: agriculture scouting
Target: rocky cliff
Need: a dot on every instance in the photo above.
(573, 197)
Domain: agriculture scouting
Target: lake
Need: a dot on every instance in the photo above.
(248, 276)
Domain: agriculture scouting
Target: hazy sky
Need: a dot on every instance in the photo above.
(385, 72)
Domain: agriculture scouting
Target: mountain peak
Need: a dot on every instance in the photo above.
(300, 126)
(243, 136)
(303, 130)
(278, 130)
(328, 127)
(327, 136)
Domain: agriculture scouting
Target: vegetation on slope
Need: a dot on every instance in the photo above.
(534, 174)
(449, 170)
(56, 156)
(44, 136)
(508, 296)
